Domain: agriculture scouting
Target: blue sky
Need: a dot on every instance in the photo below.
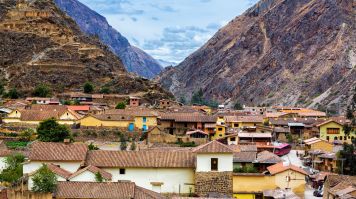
(169, 29)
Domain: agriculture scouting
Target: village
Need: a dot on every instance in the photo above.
(125, 147)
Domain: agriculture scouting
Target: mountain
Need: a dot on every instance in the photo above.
(279, 52)
(93, 24)
(40, 44)
(165, 64)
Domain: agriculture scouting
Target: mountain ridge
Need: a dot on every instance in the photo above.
(92, 23)
(277, 52)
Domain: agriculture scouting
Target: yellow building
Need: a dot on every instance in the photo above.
(318, 144)
(332, 130)
(244, 121)
(107, 120)
(220, 131)
(39, 113)
(248, 186)
(143, 118)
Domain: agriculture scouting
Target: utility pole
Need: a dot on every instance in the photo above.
(342, 165)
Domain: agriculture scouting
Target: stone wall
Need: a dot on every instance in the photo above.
(213, 183)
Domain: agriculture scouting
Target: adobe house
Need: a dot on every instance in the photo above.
(134, 101)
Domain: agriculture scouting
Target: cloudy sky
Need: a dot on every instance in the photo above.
(169, 29)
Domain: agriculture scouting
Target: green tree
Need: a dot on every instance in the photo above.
(13, 170)
(238, 106)
(182, 100)
(2, 88)
(120, 105)
(133, 145)
(13, 94)
(197, 97)
(92, 147)
(123, 143)
(349, 113)
(105, 90)
(98, 177)
(42, 90)
(44, 181)
(50, 131)
(88, 87)
(347, 159)
(27, 134)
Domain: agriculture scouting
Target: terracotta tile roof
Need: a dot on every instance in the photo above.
(279, 167)
(245, 156)
(58, 108)
(141, 159)
(336, 179)
(5, 152)
(50, 151)
(328, 121)
(213, 147)
(113, 117)
(103, 190)
(59, 171)
(247, 118)
(106, 175)
(254, 135)
(38, 115)
(275, 114)
(267, 157)
(79, 108)
(281, 130)
(248, 147)
(132, 112)
(188, 117)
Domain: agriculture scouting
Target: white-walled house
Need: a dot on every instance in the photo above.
(164, 171)
(3, 154)
(68, 157)
(160, 171)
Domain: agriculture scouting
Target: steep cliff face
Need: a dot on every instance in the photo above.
(281, 52)
(40, 44)
(90, 22)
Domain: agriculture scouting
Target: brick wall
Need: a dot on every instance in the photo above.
(216, 183)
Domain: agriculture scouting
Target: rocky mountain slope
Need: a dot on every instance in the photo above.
(40, 44)
(90, 22)
(279, 52)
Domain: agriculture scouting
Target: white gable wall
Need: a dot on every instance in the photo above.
(225, 162)
(173, 179)
(35, 165)
(2, 163)
(85, 176)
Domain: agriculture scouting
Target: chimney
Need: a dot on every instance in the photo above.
(66, 141)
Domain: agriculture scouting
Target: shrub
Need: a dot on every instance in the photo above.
(121, 105)
(44, 181)
(42, 90)
(98, 177)
(16, 144)
(92, 147)
(13, 170)
(50, 131)
(88, 87)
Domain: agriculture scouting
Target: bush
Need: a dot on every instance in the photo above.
(27, 134)
(123, 143)
(88, 87)
(133, 146)
(44, 181)
(13, 170)
(50, 131)
(121, 105)
(92, 147)
(13, 94)
(186, 144)
(42, 90)
(105, 90)
(98, 177)
(238, 106)
(16, 144)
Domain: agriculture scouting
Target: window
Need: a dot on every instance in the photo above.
(332, 130)
(214, 164)
(335, 138)
(144, 119)
(220, 129)
(233, 139)
(345, 137)
(327, 138)
(122, 171)
(340, 137)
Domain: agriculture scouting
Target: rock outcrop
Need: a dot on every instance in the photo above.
(40, 44)
(279, 52)
(134, 59)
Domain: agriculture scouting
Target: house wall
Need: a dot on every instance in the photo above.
(85, 176)
(229, 142)
(252, 183)
(173, 179)
(150, 121)
(11, 120)
(91, 121)
(34, 165)
(225, 162)
(67, 116)
(323, 132)
(14, 114)
(2, 163)
(219, 133)
(296, 184)
(322, 145)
